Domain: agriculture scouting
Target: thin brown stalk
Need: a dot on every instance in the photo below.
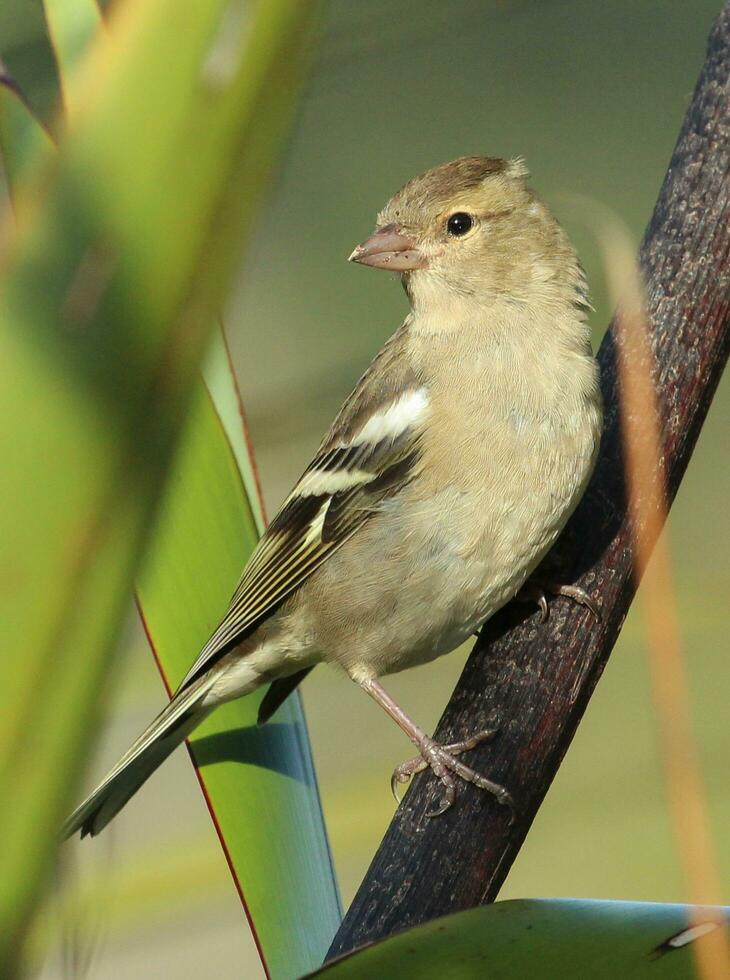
(648, 510)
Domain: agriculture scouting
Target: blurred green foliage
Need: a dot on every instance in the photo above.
(104, 313)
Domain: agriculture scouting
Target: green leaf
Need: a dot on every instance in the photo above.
(259, 782)
(24, 144)
(72, 26)
(565, 939)
(105, 308)
(220, 379)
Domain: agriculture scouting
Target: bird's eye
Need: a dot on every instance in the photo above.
(459, 223)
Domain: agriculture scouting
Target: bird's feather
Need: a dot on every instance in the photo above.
(171, 726)
(370, 453)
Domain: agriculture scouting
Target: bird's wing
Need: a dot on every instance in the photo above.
(371, 452)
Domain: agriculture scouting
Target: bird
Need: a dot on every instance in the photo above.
(442, 483)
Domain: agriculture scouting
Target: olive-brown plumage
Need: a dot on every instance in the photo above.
(443, 481)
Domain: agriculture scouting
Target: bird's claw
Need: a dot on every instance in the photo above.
(539, 591)
(397, 777)
(443, 762)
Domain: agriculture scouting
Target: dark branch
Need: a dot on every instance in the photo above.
(537, 679)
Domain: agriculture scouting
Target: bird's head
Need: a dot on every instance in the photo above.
(469, 228)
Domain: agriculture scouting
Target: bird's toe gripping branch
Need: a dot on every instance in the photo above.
(443, 762)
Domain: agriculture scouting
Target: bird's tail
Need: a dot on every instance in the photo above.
(173, 724)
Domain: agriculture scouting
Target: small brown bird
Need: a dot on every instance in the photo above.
(447, 475)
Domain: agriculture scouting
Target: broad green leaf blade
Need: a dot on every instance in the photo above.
(259, 782)
(72, 26)
(24, 143)
(564, 939)
(104, 311)
(220, 379)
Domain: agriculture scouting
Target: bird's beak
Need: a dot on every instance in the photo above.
(389, 248)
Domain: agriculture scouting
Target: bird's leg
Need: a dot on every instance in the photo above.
(441, 759)
(538, 591)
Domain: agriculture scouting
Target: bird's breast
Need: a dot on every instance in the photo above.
(513, 455)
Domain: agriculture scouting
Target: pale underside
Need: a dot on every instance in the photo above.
(437, 558)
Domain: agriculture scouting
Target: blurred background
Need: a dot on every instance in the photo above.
(592, 95)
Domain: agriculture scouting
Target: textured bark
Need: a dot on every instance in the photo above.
(535, 679)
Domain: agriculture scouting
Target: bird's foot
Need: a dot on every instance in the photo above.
(538, 592)
(442, 761)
